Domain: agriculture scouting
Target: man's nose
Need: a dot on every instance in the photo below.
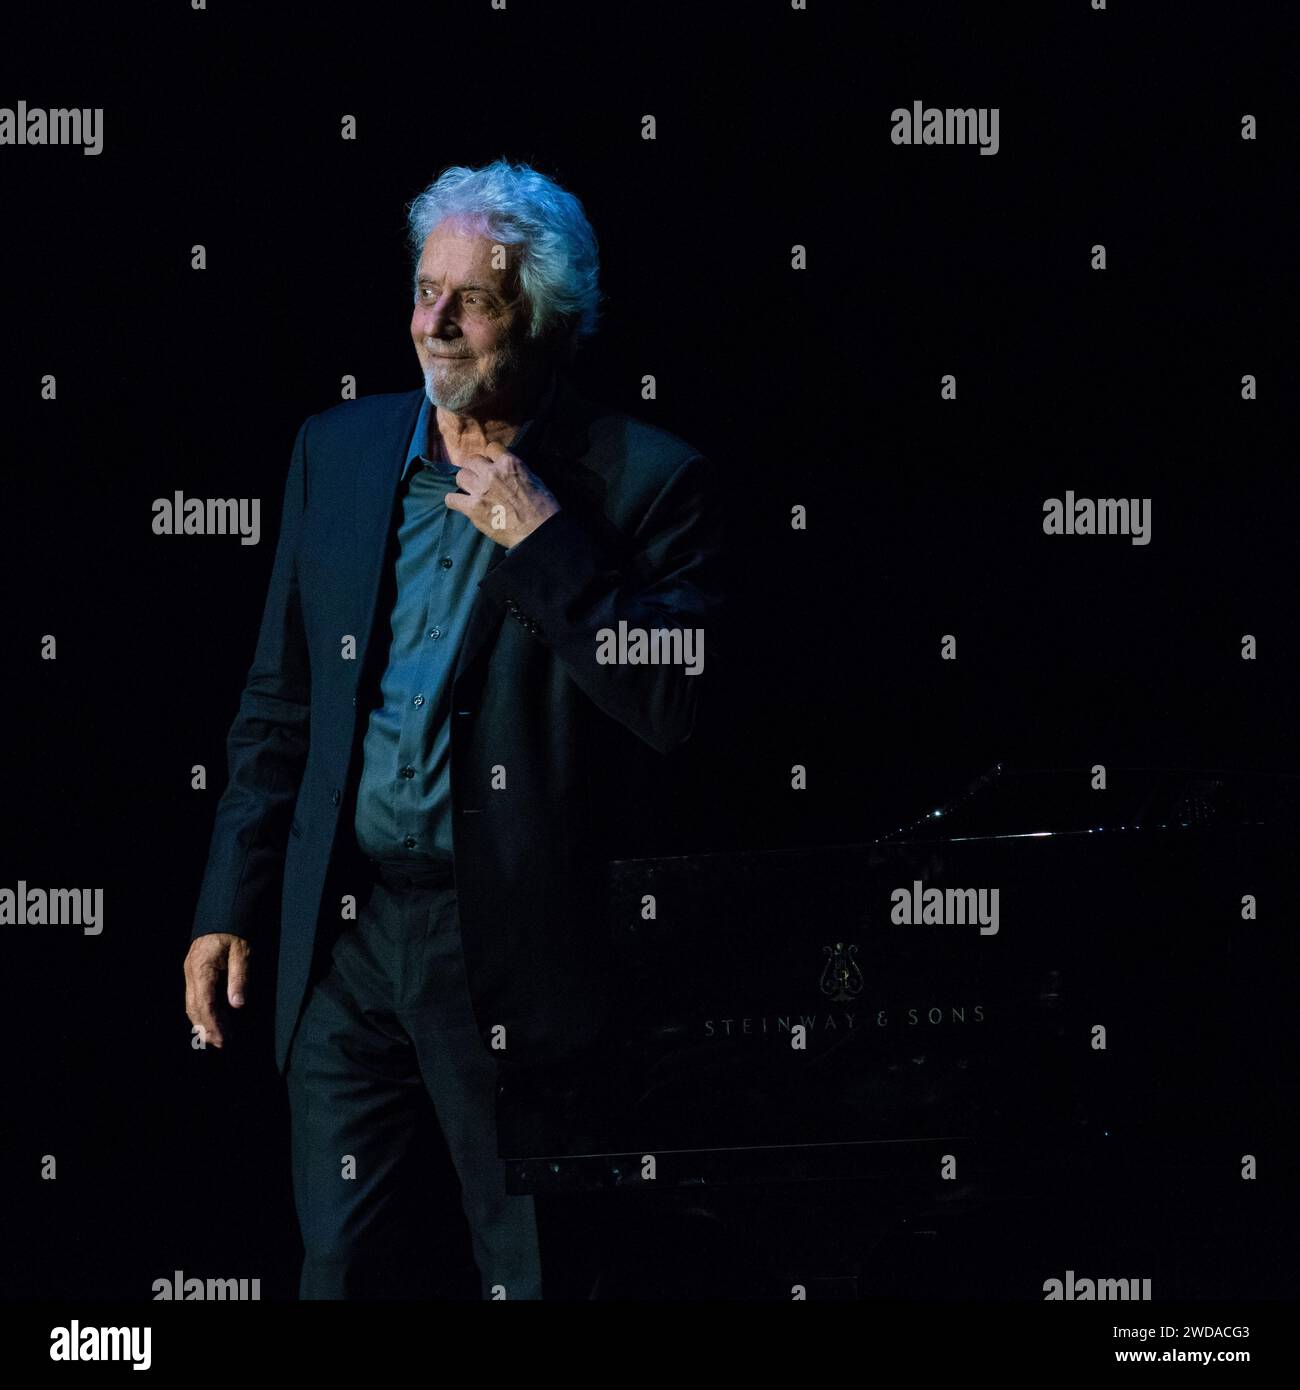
(438, 320)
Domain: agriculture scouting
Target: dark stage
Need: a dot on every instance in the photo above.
(1006, 436)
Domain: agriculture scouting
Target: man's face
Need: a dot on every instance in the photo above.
(467, 321)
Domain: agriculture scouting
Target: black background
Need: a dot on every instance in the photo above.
(818, 387)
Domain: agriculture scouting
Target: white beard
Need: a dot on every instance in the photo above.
(459, 387)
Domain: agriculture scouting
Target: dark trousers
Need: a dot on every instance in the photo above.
(388, 1030)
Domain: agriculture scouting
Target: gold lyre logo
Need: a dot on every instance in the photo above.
(841, 979)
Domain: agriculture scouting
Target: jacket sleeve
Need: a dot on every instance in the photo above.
(575, 579)
(266, 748)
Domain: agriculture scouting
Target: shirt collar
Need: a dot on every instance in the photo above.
(419, 443)
(427, 451)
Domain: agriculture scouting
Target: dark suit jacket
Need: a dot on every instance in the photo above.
(637, 540)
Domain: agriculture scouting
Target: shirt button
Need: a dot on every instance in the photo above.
(409, 842)
(418, 701)
(334, 797)
(445, 562)
(435, 632)
(408, 772)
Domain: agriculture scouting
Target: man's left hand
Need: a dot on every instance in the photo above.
(501, 495)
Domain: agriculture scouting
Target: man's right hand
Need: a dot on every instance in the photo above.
(210, 957)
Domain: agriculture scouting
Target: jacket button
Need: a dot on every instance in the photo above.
(334, 797)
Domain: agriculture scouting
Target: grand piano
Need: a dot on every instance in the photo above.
(801, 1086)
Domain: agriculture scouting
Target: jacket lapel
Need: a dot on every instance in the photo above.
(552, 451)
(375, 496)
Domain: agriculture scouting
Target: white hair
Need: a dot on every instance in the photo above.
(513, 205)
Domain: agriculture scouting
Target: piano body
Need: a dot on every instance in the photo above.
(798, 1079)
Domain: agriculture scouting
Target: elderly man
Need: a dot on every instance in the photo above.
(481, 592)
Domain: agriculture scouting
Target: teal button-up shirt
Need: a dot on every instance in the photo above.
(404, 797)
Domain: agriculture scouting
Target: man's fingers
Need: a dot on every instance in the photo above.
(202, 967)
(200, 1002)
(473, 475)
(237, 976)
(199, 1010)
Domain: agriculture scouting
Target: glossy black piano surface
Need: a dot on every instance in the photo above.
(1119, 908)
